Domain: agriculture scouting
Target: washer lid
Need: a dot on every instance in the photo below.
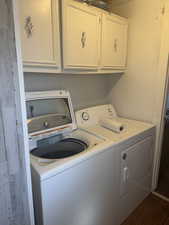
(48, 112)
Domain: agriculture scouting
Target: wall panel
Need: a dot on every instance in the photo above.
(14, 207)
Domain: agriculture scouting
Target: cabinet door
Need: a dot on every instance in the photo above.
(81, 35)
(40, 34)
(114, 42)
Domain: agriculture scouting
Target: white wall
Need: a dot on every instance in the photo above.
(134, 94)
(85, 90)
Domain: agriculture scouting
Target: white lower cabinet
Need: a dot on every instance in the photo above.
(81, 35)
(114, 42)
(40, 35)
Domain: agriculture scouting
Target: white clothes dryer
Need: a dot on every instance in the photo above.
(133, 144)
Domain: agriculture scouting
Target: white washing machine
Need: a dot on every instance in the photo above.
(74, 172)
(133, 144)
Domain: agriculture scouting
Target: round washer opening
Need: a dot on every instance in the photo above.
(62, 149)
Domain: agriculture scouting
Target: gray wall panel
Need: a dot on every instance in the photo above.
(86, 90)
(14, 208)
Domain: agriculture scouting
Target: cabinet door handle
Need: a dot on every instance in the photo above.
(29, 26)
(83, 39)
(115, 45)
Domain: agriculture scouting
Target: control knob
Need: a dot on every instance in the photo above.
(85, 116)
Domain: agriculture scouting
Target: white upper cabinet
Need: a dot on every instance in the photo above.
(40, 35)
(91, 40)
(81, 35)
(114, 42)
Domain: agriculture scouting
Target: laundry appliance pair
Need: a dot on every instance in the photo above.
(91, 168)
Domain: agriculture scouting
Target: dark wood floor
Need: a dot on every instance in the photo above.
(153, 211)
(163, 182)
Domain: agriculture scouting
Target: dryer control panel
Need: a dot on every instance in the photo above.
(92, 115)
